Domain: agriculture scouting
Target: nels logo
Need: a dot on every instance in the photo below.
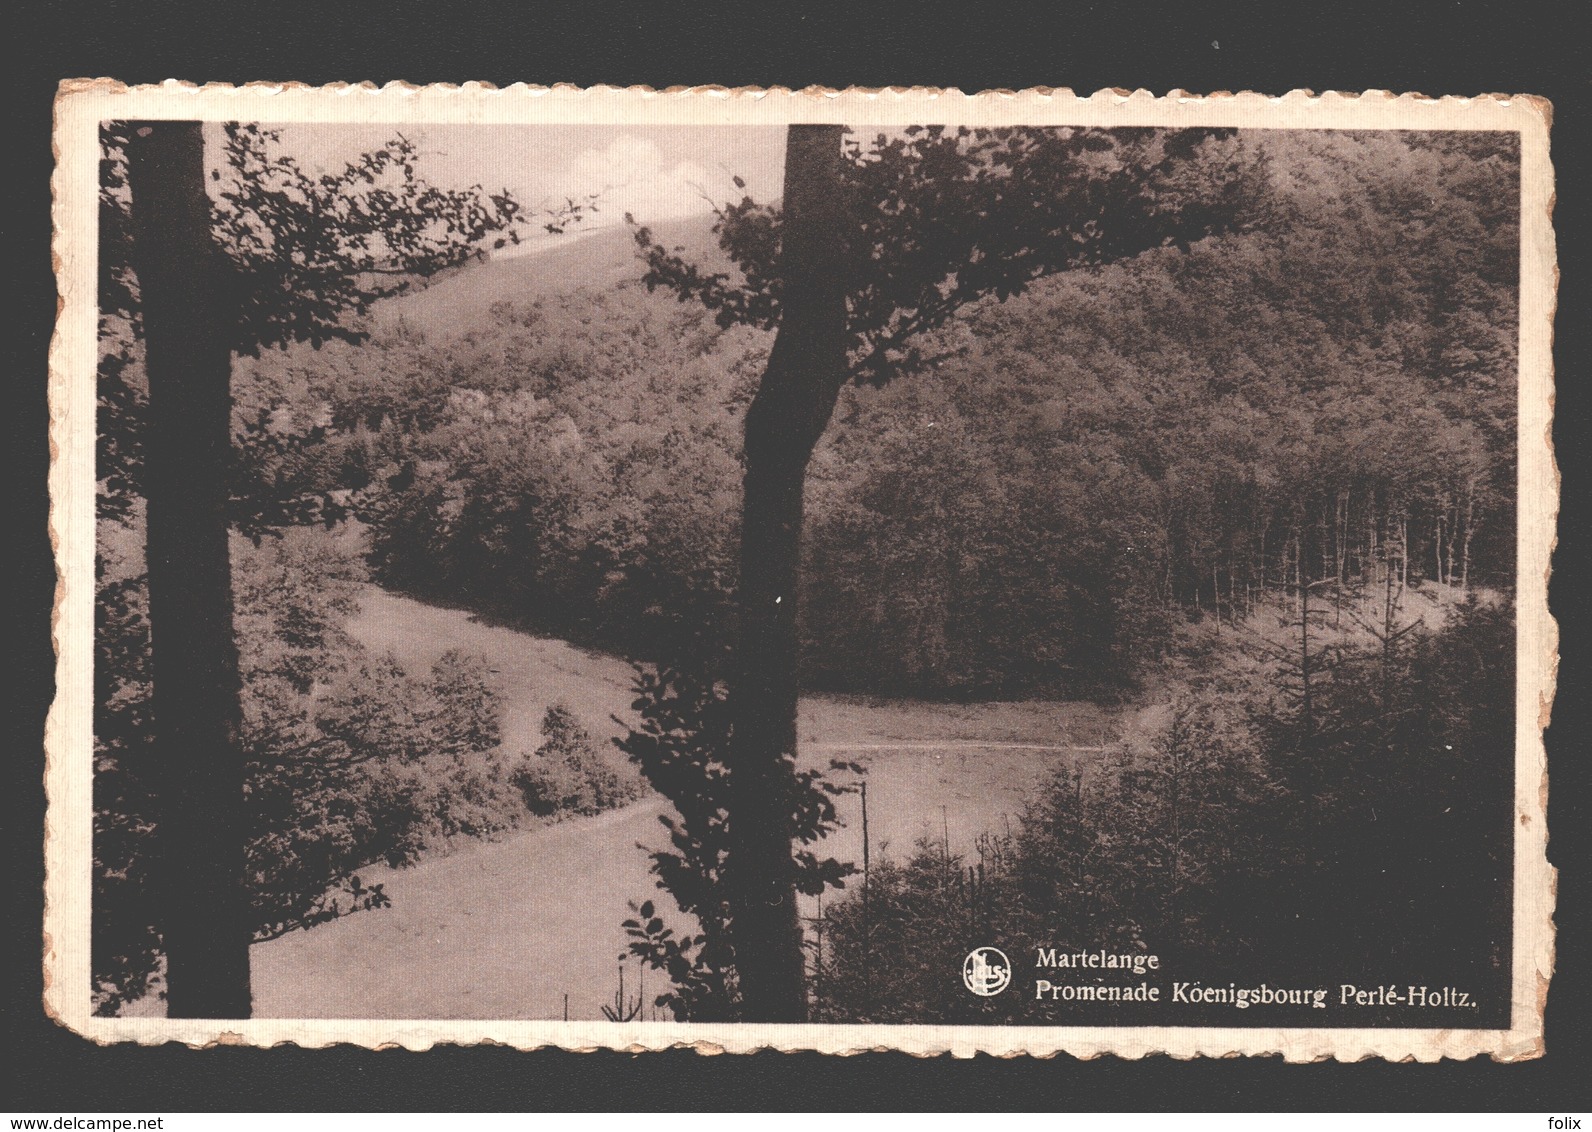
(986, 971)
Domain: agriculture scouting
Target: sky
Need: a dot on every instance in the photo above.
(657, 173)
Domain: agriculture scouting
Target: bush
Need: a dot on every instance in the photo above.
(891, 953)
(350, 760)
(1361, 833)
(682, 747)
(568, 774)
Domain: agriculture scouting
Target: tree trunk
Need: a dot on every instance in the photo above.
(1404, 550)
(194, 657)
(1470, 529)
(1436, 540)
(790, 412)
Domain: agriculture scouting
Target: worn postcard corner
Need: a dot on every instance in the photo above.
(1015, 573)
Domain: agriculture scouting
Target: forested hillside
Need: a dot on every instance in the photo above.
(1342, 809)
(1306, 418)
(1326, 397)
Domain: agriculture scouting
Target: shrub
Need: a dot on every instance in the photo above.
(568, 774)
(682, 748)
(350, 760)
(1369, 839)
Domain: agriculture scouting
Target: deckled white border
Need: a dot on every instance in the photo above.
(82, 104)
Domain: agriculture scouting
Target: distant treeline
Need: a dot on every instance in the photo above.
(1331, 397)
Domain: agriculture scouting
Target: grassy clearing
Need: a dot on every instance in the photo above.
(506, 929)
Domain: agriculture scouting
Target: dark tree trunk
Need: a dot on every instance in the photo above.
(194, 657)
(806, 370)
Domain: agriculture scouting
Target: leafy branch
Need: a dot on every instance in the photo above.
(681, 747)
(941, 219)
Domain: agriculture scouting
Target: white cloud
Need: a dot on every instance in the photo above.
(631, 176)
(657, 175)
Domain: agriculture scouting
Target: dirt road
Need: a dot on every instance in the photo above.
(507, 929)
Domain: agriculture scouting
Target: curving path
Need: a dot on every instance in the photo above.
(506, 929)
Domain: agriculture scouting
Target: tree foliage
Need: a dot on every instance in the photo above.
(938, 219)
(299, 257)
(568, 774)
(1323, 393)
(682, 748)
(351, 761)
(273, 255)
(1188, 430)
(1232, 851)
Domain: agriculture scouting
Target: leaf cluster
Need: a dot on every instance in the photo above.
(350, 760)
(299, 257)
(303, 252)
(938, 219)
(1229, 840)
(681, 746)
(568, 774)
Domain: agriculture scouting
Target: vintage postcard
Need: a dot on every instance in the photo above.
(824, 570)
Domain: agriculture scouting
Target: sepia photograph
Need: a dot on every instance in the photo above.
(602, 569)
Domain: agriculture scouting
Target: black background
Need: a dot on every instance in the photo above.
(1452, 47)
